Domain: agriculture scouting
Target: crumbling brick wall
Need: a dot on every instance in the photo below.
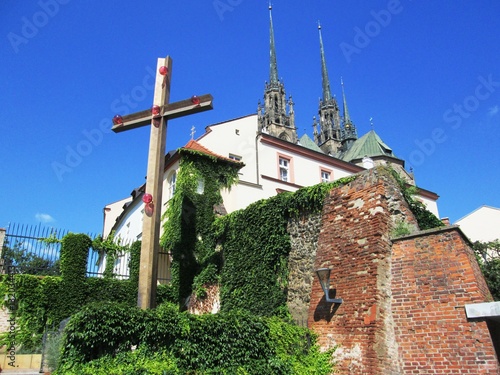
(382, 302)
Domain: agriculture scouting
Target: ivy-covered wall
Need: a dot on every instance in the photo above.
(189, 217)
(247, 252)
(256, 245)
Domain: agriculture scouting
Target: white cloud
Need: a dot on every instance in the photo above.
(493, 110)
(44, 218)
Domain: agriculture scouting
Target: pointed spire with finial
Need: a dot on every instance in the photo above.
(327, 93)
(349, 132)
(347, 118)
(273, 66)
(329, 136)
(274, 117)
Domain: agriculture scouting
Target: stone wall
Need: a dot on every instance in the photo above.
(304, 233)
(402, 310)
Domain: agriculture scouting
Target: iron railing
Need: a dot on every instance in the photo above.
(26, 247)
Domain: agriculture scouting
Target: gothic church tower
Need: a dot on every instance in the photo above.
(274, 118)
(329, 137)
(349, 133)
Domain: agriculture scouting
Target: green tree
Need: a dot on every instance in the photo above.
(488, 256)
(26, 262)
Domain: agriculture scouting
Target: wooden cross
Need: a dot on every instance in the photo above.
(157, 116)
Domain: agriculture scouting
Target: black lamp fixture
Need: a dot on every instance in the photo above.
(324, 279)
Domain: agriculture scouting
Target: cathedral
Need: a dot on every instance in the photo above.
(335, 133)
(275, 158)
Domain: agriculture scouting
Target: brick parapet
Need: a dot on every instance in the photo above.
(434, 275)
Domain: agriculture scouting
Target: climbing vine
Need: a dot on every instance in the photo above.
(189, 218)
(256, 245)
(111, 248)
(425, 218)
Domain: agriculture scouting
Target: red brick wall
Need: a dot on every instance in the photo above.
(354, 242)
(403, 309)
(434, 275)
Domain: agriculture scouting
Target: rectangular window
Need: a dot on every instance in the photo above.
(325, 176)
(172, 184)
(235, 157)
(284, 169)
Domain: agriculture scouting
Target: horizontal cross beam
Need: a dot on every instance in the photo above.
(169, 111)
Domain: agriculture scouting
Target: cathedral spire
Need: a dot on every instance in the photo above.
(349, 132)
(329, 135)
(273, 66)
(276, 117)
(347, 118)
(327, 93)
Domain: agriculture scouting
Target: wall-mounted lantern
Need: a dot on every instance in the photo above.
(324, 279)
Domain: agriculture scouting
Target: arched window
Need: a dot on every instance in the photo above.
(284, 137)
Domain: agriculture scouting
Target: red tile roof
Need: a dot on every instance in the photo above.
(195, 146)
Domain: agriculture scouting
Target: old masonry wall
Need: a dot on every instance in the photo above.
(403, 299)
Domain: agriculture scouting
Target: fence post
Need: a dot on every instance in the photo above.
(2, 240)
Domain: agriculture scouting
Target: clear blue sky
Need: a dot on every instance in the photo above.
(428, 72)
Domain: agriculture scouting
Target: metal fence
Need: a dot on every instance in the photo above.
(27, 248)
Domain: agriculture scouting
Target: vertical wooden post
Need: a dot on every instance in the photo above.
(156, 163)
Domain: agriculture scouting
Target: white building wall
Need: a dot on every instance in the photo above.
(303, 170)
(430, 204)
(236, 137)
(241, 195)
(111, 213)
(482, 224)
(129, 227)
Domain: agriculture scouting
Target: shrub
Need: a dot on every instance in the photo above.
(74, 255)
(225, 343)
(126, 363)
(99, 329)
